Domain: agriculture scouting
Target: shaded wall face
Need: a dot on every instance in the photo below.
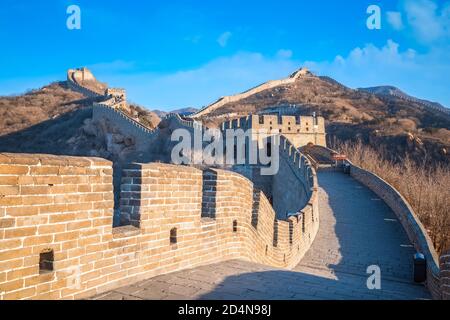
(260, 182)
(445, 275)
(288, 191)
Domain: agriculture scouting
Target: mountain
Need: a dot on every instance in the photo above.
(183, 112)
(55, 119)
(390, 91)
(399, 125)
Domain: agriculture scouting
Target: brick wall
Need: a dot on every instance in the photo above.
(445, 275)
(143, 137)
(63, 206)
(412, 225)
(159, 197)
(228, 99)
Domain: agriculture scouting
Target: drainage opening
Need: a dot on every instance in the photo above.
(46, 259)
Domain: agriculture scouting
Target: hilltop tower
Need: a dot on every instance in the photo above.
(300, 130)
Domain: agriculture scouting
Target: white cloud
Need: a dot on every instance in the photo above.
(394, 18)
(424, 75)
(284, 54)
(224, 38)
(203, 85)
(429, 21)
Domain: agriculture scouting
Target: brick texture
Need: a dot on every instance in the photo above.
(65, 204)
(445, 275)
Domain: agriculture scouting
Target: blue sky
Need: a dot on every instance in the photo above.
(171, 54)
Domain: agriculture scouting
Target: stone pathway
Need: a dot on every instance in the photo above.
(357, 230)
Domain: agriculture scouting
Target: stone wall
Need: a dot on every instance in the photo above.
(57, 239)
(85, 91)
(57, 205)
(292, 185)
(413, 227)
(445, 275)
(243, 224)
(253, 173)
(290, 188)
(143, 137)
(267, 85)
(300, 130)
(73, 81)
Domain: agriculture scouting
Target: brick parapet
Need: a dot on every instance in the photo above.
(65, 204)
(416, 232)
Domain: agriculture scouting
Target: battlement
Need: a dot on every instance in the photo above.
(81, 75)
(300, 73)
(117, 92)
(82, 80)
(301, 130)
(303, 72)
(57, 239)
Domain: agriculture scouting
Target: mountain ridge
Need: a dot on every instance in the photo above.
(393, 91)
(399, 126)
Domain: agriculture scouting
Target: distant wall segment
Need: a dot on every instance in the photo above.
(267, 85)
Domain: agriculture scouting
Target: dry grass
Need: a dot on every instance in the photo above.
(23, 111)
(426, 188)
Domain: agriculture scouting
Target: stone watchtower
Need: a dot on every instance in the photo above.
(83, 74)
(300, 130)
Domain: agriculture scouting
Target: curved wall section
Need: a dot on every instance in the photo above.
(64, 206)
(413, 227)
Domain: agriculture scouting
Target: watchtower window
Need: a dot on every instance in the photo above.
(269, 149)
(46, 259)
(289, 128)
(261, 120)
(173, 236)
(235, 225)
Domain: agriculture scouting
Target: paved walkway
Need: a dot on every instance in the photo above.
(357, 230)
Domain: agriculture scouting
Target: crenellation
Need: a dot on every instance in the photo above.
(81, 236)
(301, 130)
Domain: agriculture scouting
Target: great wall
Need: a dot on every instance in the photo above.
(267, 85)
(58, 241)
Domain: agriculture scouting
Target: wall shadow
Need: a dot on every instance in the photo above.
(209, 192)
(357, 230)
(289, 285)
